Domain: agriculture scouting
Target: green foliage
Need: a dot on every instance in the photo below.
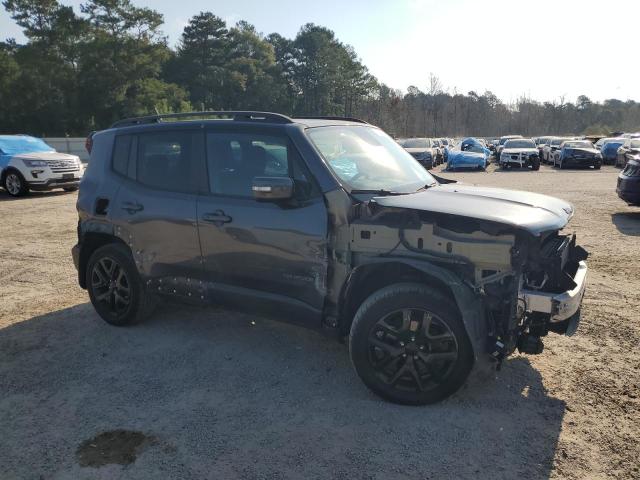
(83, 70)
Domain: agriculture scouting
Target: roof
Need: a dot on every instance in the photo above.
(238, 116)
(14, 144)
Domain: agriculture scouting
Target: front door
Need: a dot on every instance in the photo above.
(262, 255)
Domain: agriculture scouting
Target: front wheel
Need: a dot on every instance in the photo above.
(535, 164)
(15, 184)
(408, 344)
(115, 288)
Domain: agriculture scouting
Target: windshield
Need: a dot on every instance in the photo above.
(414, 142)
(472, 147)
(557, 141)
(520, 144)
(366, 158)
(505, 140)
(578, 145)
(14, 144)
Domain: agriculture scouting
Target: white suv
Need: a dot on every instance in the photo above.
(28, 163)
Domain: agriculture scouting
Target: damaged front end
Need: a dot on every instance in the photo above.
(512, 285)
(552, 289)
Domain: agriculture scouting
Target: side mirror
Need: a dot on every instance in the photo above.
(272, 188)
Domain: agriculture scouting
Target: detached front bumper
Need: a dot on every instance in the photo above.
(559, 307)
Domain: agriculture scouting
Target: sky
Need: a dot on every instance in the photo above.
(543, 49)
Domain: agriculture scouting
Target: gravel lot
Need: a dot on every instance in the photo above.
(208, 393)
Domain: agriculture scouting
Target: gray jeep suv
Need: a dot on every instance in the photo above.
(328, 223)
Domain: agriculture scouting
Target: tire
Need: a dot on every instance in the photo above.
(135, 303)
(70, 189)
(597, 166)
(414, 364)
(14, 183)
(535, 164)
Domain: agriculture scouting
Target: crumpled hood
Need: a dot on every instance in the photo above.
(46, 156)
(532, 212)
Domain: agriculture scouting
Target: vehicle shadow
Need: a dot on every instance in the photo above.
(627, 223)
(4, 195)
(237, 396)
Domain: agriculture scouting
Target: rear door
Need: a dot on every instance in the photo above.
(155, 207)
(262, 255)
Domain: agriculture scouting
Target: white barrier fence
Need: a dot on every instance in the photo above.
(72, 145)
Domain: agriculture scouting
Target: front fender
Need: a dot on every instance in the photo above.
(468, 301)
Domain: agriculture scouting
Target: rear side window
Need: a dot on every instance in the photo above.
(121, 150)
(235, 159)
(166, 160)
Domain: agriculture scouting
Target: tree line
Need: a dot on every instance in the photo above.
(82, 70)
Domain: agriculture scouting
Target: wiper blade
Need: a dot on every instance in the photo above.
(421, 189)
(378, 192)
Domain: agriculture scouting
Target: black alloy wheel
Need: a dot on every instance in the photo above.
(412, 349)
(111, 286)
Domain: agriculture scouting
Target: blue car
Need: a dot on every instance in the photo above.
(609, 150)
(470, 153)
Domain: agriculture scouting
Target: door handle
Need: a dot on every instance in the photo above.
(217, 218)
(132, 207)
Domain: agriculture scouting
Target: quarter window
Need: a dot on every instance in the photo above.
(121, 150)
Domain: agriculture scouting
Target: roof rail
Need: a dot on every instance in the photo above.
(231, 115)
(346, 119)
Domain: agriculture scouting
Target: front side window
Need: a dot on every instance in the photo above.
(235, 159)
(165, 160)
(366, 158)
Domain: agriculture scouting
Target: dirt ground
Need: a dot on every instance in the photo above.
(208, 393)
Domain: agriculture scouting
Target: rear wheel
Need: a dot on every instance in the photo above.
(408, 344)
(115, 288)
(15, 183)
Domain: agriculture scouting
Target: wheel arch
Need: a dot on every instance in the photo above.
(370, 277)
(91, 241)
(8, 169)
